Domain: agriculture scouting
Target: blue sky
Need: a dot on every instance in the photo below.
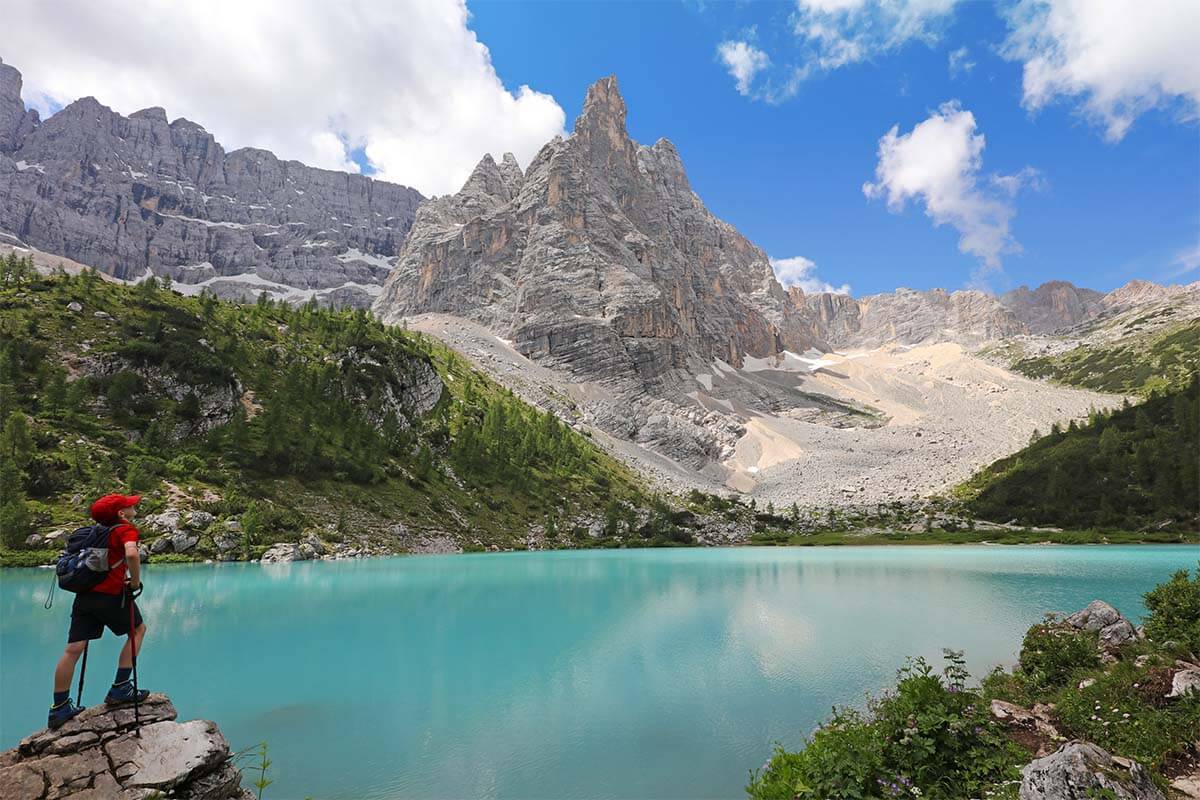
(789, 174)
(1069, 150)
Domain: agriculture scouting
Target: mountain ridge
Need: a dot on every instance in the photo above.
(152, 196)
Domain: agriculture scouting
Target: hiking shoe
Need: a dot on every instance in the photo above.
(123, 694)
(61, 714)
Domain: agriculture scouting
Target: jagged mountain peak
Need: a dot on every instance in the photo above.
(603, 104)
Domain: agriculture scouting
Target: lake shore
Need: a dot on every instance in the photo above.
(19, 559)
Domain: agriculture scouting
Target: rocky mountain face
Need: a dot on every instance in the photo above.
(139, 195)
(599, 259)
(967, 317)
(1053, 305)
(907, 316)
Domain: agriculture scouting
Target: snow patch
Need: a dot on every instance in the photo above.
(24, 165)
(787, 361)
(354, 254)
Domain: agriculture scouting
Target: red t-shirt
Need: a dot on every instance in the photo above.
(115, 582)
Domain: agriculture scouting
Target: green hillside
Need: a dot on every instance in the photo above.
(1136, 467)
(1160, 360)
(292, 418)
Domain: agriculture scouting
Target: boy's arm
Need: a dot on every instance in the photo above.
(133, 561)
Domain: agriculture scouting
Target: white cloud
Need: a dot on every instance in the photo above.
(960, 62)
(744, 61)
(802, 272)
(841, 32)
(1117, 59)
(938, 164)
(310, 80)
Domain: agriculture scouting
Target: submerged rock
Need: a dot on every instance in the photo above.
(98, 756)
(1080, 771)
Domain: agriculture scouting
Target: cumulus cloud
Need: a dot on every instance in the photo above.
(1116, 59)
(744, 61)
(938, 165)
(802, 272)
(408, 84)
(960, 62)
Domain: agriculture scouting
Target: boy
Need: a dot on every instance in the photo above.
(109, 605)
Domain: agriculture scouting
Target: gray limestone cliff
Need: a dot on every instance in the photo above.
(139, 195)
(908, 316)
(1053, 306)
(598, 259)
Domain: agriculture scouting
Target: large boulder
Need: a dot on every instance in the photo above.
(281, 553)
(55, 538)
(165, 522)
(1098, 614)
(199, 520)
(225, 542)
(1185, 682)
(183, 541)
(1112, 630)
(313, 545)
(161, 545)
(1082, 771)
(98, 756)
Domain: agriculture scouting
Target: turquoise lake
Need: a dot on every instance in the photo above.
(585, 674)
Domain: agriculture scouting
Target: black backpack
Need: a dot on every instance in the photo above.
(84, 564)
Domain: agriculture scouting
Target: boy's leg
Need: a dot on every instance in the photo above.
(65, 670)
(125, 661)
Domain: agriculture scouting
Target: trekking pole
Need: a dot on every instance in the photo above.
(137, 720)
(82, 672)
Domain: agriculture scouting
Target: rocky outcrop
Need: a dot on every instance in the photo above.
(1112, 630)
(1080, 771)
(1053, 305)
(137, 195)
(100, 756)
(599, 259)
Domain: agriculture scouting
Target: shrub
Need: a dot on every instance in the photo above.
(143, 473)
(931, 737)
(184, 466)
(1175, 611)
(1052, 652)
(15, 523)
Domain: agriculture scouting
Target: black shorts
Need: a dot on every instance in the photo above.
(94, 611)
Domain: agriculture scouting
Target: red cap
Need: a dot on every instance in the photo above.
(106, 508)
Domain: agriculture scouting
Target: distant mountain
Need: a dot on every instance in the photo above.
(140, 195)
(1053, 305)
(907, 316)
